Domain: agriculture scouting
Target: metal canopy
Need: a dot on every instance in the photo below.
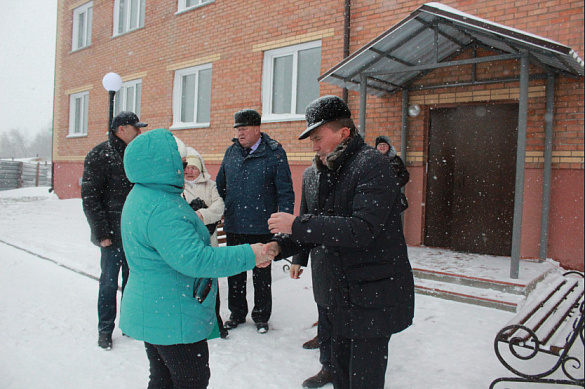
(430, 38)
(435, 33)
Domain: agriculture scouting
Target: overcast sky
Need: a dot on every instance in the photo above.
(27, 64)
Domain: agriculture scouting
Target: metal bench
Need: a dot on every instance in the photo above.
(221, 237)
(539, 339)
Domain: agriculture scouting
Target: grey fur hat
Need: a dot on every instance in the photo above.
(324, 110)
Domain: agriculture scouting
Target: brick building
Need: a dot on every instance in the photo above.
(188, 65)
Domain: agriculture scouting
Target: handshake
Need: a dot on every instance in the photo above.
(279, 223)
(265, 253)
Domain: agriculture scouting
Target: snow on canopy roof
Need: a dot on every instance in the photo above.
(410, 43)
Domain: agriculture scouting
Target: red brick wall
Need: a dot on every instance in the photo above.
(231, 29)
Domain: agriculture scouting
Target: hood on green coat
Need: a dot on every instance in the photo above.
(152, 159)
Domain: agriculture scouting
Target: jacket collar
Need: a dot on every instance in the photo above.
(342, 153)
(117, 144)
(265, 141)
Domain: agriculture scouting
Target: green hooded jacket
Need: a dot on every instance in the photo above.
(167, 248)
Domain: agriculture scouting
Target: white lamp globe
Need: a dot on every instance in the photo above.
(112, 82)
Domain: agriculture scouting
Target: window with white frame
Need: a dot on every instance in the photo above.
(78, 111)
(128, 15)
(192, 97)
(289, 81)
(82, 18)
(188, 4)
(128, 97)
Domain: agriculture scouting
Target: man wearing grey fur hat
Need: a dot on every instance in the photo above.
(350, 224)
(254, 180)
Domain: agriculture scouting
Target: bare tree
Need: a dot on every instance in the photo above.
(13, 144)
(41, 145)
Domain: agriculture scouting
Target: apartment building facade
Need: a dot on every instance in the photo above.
(188, 65)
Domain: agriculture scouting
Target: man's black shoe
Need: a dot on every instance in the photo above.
(105, 341)
(311, 344)
(262, 328)
(318, 380)
(231, 324)
(223, 333)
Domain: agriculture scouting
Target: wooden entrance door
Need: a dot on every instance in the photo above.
(471, 178)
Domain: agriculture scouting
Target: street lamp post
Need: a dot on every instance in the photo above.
(112, 83)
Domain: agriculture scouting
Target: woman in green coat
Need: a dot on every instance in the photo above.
(169, 300)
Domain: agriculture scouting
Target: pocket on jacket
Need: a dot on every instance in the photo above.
(374, 294)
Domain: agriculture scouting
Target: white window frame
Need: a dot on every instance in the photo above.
(121, 101)
(129, 12)
(268, 78)
(86, 12)
(78, 123)
(183, 7)
(177, 97)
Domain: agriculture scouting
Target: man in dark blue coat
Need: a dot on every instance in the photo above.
(255, 181)
(362, 278)
(104, 190)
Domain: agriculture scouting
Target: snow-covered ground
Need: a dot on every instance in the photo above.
(48, 320)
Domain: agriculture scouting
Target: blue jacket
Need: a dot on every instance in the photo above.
(254, 186)
(167, 247)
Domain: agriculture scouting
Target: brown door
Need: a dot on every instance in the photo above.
(471, 178)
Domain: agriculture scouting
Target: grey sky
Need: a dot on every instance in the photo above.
(27, 64)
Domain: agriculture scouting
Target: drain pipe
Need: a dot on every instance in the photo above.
(548, 147)
(346, 37)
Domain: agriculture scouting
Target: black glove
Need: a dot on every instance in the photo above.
(197, 204)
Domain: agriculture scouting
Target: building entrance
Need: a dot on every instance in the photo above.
(471, 178)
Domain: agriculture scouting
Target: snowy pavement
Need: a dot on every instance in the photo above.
(48, 320)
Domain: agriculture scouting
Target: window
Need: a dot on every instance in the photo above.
(128, 15)
(78, 110)
(192, 97)
(82, 17)
(128, 97)
(289, 81)
(185, 5)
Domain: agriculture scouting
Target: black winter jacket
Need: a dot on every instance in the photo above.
(254, 186)
(104, 189)
(354, 230)
(399, 166)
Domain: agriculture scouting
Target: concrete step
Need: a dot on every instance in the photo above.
(496, 294)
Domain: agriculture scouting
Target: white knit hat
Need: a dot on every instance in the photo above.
(193, 160)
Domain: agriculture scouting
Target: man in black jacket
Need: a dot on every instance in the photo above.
(254, 181)
(359, 257)
(103, 192)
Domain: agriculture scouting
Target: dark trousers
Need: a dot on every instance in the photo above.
(262, 279)
(113, 258)
(359, 363)
(178, 366)
(324, 337)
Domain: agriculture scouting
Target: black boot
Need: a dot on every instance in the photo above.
(105, 340)
(311, 344)
(318, 380)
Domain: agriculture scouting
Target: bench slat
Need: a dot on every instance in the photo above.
(534, 317)
(556, 319)
(529, 309)
(550, 306)
(559, 340)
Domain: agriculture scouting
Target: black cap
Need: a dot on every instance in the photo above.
(247, 117)
(126, 117)
(382, 139)
(324, 110)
